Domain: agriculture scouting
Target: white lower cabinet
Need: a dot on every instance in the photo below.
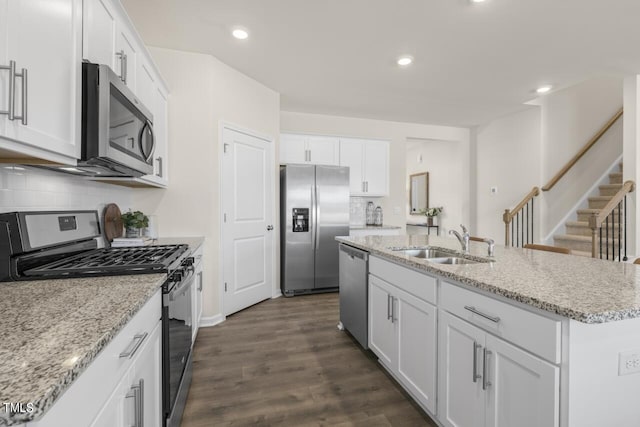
(122, 384)
(485, 381)
(136, 401)
(402, 333)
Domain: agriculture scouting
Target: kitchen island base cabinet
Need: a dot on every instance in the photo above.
(485, 381)
(402, 333)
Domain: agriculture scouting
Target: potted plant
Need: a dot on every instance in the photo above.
(134, 222)
(432, 213)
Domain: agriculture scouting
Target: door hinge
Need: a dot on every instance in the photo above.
(225, 286)
(225, 147)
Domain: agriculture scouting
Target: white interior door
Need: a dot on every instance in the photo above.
(247, 230)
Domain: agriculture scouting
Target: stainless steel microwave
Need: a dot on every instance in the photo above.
(117, 129)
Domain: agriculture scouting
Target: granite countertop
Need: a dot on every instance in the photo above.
(51, 330)
(374, 227)
(584, 289)
(193, 242)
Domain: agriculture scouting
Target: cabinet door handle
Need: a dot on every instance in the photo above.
(363, 186)
(25, 98)
(160, 172)
(122, 56)
(309, 155)
(476, 347)
(494, 319)
(200, 281)
(137, 341)
(393, 309)
(12, 89)
(126, 66)
(366, 186)
(389, 314)
(137, 393)
(485, 369)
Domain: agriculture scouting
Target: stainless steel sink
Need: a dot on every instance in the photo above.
(425, 253)
(438, 256)
(452, 260)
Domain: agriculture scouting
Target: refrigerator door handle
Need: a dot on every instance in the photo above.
(317, 219)
(312, 214)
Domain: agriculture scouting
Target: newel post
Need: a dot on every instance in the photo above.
(506, 217)
(593, 224)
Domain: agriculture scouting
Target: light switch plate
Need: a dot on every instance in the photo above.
(396, 210)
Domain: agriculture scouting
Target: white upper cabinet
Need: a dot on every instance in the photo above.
(126, 57)
(368, 162)
(109, 38)
(99, 32)
(309, 149)
(42, 41)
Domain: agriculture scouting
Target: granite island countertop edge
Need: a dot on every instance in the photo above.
(590, 317)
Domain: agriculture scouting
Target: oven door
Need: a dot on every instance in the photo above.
(176, 324)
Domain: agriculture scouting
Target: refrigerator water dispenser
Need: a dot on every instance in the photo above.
(300, 220)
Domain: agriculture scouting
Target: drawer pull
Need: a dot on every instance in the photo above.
(137, 342)
(494, 319)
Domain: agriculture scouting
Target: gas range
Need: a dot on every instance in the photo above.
(62, 244)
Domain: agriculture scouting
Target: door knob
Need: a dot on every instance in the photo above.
(269, 227)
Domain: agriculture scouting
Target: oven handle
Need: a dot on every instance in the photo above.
(185, 284)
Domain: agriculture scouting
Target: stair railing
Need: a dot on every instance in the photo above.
(603, 227)
(582, 151)
(518, 222)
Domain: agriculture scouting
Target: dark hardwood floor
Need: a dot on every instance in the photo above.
(283, 362)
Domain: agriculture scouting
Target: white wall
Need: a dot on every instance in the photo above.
(570, 118)
(397, 133)
(204, 93)
(631, 159)
(508, 153)
(526, 149)
(447, 163)
(23, 188)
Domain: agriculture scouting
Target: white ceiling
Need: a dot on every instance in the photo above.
(473, 62)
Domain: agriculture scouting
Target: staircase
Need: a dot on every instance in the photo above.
(578, 233)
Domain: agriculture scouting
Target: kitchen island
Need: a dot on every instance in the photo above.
(525, 338)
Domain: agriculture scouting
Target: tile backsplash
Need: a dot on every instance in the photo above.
(24, 188)
(357, 211)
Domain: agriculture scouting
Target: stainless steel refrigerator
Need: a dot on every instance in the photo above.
(314, 209)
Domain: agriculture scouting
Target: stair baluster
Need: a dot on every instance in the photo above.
(606, 218)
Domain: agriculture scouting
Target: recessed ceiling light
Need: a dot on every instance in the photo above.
(477, 1)
(543, 89)
(240, 33)
(403, 61)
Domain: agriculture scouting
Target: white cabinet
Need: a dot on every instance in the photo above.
(99, 32)
(196, 294)
(153, 95)
(109, 38)
(138, 394)
(368, 163)
(42, 42)
(485, 381)
(402, 333)
(98, 397)
(309, 149)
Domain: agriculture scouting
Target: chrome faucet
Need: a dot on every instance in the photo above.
(491, 244)
(463, 239)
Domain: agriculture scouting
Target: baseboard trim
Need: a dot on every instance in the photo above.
(276, 295)
(206, 322)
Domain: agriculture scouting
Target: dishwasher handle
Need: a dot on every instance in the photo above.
(354, 253)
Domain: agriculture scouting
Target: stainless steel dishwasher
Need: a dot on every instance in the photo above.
(354, 297)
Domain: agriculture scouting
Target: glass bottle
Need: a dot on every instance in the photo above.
(370, 214)
(378, 216)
